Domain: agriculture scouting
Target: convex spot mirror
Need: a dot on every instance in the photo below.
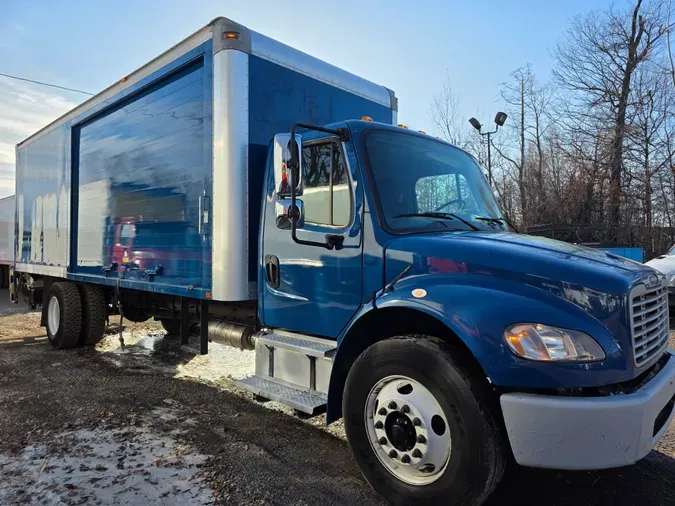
(283, 209)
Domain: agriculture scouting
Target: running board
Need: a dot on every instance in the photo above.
(305, 400)
(305, 345)
(293, 369)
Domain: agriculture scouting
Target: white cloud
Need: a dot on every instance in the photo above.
(24, 110)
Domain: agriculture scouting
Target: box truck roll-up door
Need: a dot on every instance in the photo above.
(141, 168)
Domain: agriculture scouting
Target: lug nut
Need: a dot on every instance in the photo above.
(392, 405)
(405, 408)
(405, 459)
(417, 453)
(417, 422)
(421, 439)
(393, 454)
(383, 441)
(382, 411)
(379, 425)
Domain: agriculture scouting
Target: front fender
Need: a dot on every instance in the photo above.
(478, 308)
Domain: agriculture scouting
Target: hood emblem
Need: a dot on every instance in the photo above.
(651, 281)
(419, 293)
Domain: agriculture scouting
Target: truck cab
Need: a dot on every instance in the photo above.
(391, 243)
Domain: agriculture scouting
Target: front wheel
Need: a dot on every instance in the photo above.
(421, 427)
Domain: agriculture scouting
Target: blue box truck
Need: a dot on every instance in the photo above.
(241, 184)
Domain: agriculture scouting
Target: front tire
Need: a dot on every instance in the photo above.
(421, 426)
(64, 315)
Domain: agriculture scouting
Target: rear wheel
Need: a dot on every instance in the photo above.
(94, 312)
(422, 427)
(64, 315)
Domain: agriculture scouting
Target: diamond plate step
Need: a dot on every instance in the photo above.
(312, 346)
(307, 401)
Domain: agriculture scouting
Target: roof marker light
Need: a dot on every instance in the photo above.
(366, 118)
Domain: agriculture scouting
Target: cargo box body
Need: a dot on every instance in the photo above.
(7, 209)
(155, 183)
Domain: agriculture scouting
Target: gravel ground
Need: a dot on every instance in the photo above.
(157, 424)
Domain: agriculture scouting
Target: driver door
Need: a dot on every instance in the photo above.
(312, 289)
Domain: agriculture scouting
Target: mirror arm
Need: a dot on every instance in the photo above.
(294, 211)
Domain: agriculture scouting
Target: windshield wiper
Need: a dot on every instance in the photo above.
(500, 221)
(436, 214)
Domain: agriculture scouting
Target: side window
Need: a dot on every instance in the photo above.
(327, 196)
(126, 234)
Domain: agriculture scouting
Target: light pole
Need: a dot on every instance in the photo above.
(500, 118)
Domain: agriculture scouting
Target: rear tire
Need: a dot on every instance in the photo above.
(64, 315)
(171, 326)
(94, 312)
(4, 278)
(473, 456)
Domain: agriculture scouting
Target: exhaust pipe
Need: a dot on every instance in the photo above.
(232, 334)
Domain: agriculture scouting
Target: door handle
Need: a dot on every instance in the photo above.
(334, 241)
(272, 270)
(203, 220)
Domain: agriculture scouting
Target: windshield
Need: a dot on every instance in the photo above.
(422, 184)
(671, 251)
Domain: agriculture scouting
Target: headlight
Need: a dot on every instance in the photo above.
(671, 280)
(551, 344)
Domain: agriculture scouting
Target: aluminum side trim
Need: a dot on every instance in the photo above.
(230, 177)
(42, 270)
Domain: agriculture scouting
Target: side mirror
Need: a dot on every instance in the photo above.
(282, 155)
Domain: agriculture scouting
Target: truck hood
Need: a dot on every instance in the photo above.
(535, 261)
(664, 264)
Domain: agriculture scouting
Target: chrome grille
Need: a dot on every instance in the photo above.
(649, 319)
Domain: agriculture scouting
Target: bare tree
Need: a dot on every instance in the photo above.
(596, 62)
(444, 113)
(522, 145)
(595, 154)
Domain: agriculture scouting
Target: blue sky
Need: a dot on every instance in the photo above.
(408, 46)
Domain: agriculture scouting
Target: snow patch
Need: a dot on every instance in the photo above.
(130, 465)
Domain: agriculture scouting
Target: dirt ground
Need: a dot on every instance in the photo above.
(154, 423)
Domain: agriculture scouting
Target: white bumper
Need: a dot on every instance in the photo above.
(582, 433)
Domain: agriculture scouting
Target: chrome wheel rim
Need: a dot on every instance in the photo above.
(408, 430)
(53, 315)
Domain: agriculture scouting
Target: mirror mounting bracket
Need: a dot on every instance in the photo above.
(293, 164)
